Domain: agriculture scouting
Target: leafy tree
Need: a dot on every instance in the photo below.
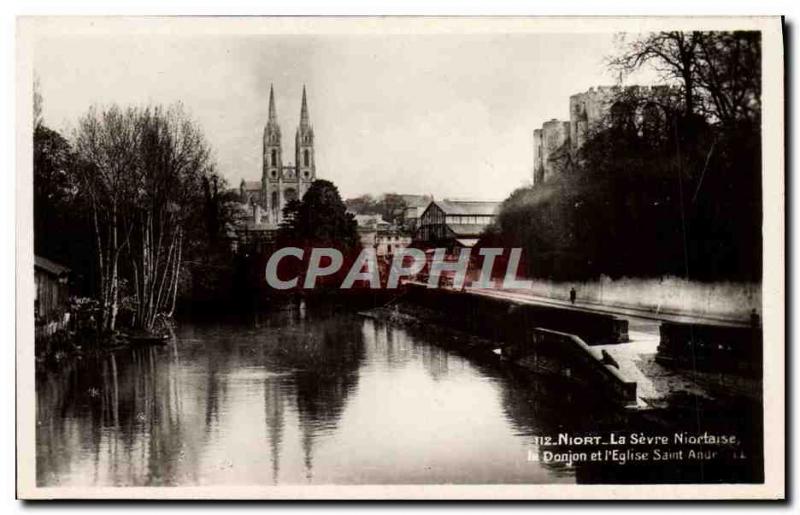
(391, 206)
(54, 185)
(61, 231)
(363, 205)
(320, 218)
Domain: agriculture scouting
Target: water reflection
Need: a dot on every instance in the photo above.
(293, 396)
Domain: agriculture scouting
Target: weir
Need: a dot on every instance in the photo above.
(595, 351)
(546, 340)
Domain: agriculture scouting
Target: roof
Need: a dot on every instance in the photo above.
(49, 266)
(251, 185)
(372, 221)
(468, 207)
(415, 211)
(467, 230)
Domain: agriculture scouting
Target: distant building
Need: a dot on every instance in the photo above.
(249, 230)
(379, 234)
(415, 206)
(371, 222)
(250, 192)
(51, 301)
(391, 241)
(454, 223)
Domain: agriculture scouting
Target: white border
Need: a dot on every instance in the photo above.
(773, 284)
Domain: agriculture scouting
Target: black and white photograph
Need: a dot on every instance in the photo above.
(400, 258)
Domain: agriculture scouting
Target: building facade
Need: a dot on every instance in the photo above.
(375, 232)
(454, 223)
(282, 181)
(415, 206)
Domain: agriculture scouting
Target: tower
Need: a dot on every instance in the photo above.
(281, 183)
(272, 163)
(304, 148)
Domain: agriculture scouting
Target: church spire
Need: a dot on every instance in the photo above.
(273, 117)
(304, 144)
(304, 110)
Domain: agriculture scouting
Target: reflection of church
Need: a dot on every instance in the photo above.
(281, 183)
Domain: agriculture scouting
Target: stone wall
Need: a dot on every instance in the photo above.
(725, 300)
(506, 320)
(551, 137)
(587, 111)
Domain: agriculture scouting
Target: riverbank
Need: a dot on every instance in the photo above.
(517, 326)
(69, 344)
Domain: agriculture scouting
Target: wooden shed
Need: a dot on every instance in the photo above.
(51, 304)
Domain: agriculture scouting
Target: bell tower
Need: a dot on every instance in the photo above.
(304, 148)
(272, 162)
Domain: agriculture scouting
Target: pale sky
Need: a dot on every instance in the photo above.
(448, 115)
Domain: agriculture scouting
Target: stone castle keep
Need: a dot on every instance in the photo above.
(585, 110)
(559, 139)
(281, 183)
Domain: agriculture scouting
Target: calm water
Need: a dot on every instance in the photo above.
(293, 397)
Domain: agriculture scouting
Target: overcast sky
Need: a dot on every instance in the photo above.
(448, 115)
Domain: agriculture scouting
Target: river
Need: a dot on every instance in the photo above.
(294, 396)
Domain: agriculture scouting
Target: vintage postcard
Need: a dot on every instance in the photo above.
(400, 258)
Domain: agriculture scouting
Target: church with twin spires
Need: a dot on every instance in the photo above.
(280, 183)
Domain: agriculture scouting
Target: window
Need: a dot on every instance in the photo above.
(274, 157)
(274, 203)
(305, 157)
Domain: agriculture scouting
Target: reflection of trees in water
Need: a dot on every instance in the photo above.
(324, 351)
(274, 409)
(436, 361)
(120, 396)
(386, 343)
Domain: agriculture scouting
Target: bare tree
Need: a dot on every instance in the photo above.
(718, 73)
(173, 161)
(105, 143)
(141, 170)
(729, 75)
(672, 54)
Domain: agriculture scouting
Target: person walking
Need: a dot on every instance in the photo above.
(572, 295)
